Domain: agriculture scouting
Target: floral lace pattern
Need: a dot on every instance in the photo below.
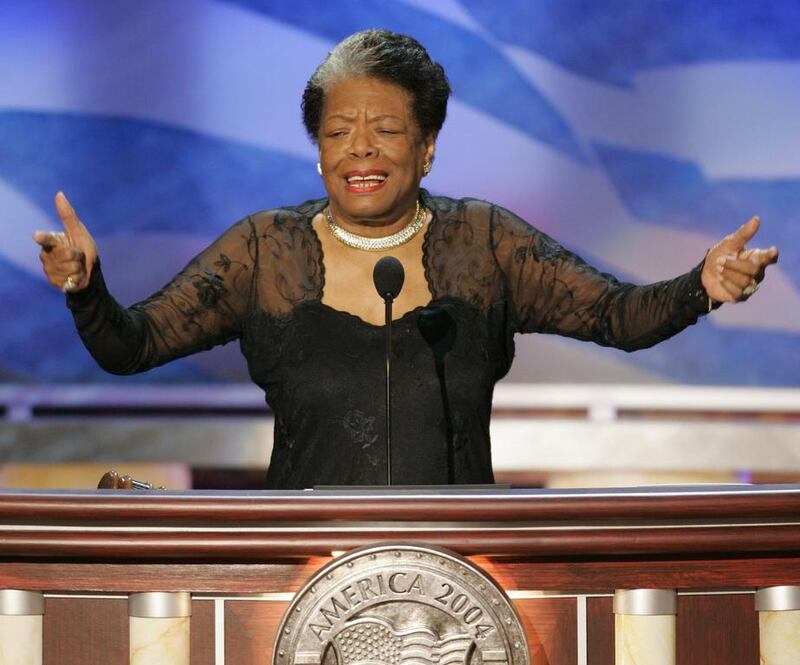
(491, 276)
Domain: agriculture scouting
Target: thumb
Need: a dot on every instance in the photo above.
(72, 225)
(745, 233)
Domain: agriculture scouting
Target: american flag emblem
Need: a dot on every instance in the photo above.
(374, 641)
(638, 154)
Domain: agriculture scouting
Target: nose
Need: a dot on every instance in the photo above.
(362, 145)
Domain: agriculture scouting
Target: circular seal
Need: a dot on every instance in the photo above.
(400, 604)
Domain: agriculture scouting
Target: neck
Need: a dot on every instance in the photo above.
(372, 227)
(380, 243)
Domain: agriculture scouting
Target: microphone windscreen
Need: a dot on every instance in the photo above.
(438, 329)
(388, 276)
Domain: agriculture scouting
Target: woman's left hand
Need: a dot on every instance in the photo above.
(732, 272)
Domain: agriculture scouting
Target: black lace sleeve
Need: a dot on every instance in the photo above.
(552, 290)
(201, 307)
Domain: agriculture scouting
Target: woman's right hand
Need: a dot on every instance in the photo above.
(69, 256)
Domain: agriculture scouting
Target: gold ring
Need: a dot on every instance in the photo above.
(69, 284)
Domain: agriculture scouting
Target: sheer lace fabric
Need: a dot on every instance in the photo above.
(322, 370)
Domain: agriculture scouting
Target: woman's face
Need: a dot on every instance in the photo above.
(371, 151)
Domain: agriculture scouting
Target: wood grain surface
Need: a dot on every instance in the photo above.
(247, 546)
(250, 629)
(241, 527)
(77, 631)
(202, 633)
(551, 629)
(239, 543)
(710, 630)
(231, 507)
(565, 576)
(717, 629)
(600, 631)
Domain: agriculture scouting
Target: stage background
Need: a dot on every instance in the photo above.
(635, 133)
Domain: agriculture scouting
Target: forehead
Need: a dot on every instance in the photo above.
(352, 96)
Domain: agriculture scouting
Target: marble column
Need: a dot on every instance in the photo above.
(779, 624)
(159, 628)
(21, 627)
(644, 626)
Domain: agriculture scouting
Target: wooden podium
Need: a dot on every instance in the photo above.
(558, 554)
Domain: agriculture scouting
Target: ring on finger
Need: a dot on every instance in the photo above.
(750, 289)
(69, 284)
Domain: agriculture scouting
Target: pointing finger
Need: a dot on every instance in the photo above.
(67, 214)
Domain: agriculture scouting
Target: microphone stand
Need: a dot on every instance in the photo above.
(388, 302)
(388, 276)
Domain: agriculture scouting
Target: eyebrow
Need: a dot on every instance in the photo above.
(341, 116)
(377, 118)
(386, 116)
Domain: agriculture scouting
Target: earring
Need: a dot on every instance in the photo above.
(319, 168)
(426, 168)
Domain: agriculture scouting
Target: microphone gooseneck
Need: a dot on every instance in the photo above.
(438, 329)
(388, 276)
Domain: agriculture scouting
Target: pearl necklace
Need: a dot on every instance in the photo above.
(377, 244)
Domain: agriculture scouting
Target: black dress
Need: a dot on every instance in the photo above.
(322, 370)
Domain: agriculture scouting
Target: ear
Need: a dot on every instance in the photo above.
(430, 147)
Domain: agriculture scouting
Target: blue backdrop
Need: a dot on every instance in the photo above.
(636, 133)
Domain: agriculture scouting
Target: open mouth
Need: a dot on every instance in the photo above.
(365, 181)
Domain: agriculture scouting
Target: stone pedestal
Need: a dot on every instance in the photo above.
(644, 627)
(159, 628)
(779, 625)
(21, 627)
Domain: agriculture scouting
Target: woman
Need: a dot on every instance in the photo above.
(294, 285)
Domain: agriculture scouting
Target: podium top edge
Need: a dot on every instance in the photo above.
(442, 492)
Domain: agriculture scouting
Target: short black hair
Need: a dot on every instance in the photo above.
(387, 56)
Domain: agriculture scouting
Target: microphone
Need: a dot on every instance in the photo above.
(388, 276)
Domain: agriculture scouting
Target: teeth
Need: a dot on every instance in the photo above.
(358, 178)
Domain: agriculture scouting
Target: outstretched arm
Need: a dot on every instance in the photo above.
(201, 307)
(553, 290)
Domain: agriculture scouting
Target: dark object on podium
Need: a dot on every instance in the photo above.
(113, 481)
(388, 276)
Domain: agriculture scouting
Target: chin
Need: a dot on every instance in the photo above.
(366, 204)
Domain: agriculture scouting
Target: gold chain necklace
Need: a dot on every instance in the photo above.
(377, 244)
